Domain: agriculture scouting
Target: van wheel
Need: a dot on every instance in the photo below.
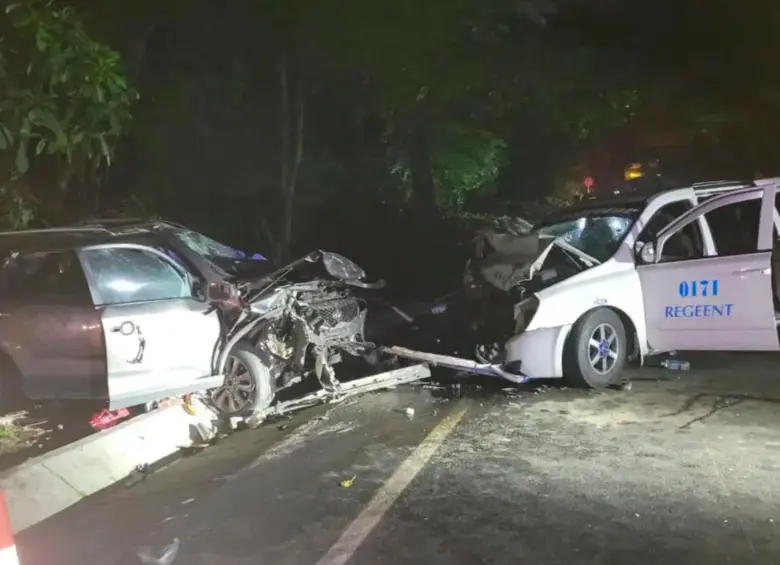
(596, 351)
(248, 385)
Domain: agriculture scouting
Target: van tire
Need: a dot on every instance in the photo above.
(599, 325)
(258, 374)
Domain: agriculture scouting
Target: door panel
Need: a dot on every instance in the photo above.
(720, 302)
(715, 303)
(158, 349)
(159, 339)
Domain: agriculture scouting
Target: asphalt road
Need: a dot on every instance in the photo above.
(679, 471)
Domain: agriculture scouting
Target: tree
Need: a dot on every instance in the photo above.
(64, 103)
(447, 77)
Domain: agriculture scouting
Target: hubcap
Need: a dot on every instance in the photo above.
(238, 388)
(603, 348)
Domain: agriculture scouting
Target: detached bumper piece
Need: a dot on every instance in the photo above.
(457, 363)
(372, 383)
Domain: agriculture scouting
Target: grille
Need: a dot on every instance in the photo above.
(333, 312)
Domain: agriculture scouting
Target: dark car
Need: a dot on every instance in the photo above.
(111, 310)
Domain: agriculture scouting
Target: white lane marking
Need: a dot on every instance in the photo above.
(341, 552)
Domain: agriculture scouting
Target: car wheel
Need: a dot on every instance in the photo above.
(595, 353)
(248, 385)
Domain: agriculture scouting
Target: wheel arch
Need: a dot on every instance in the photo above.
(635, 353)
(634, 356)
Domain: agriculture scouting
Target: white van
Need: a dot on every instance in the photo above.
(684, 269)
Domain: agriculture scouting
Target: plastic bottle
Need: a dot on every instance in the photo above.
(675, 365)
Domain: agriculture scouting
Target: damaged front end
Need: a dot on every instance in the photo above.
(501, 282)
(295, 324)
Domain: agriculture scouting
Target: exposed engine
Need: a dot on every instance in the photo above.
(303, 327)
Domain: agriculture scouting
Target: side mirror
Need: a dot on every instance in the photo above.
(222, 292)
(646, 252)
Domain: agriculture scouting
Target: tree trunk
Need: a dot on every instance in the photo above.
(292, 129)
(421, 169)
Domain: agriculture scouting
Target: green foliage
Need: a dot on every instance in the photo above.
(62, 93)
(465, 161)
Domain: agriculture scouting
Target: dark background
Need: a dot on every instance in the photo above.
(411, 115)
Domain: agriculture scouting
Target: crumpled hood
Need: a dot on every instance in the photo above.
(512, 259)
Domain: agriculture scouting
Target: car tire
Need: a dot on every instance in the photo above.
(256, 374)
(596, 350)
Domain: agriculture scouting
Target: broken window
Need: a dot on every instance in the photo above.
(123, 275)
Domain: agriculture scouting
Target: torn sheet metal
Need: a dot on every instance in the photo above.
(458, 363)
(371, 383)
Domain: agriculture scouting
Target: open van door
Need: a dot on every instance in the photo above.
(723, 301)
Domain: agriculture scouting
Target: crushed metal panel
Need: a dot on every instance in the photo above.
(371, 383)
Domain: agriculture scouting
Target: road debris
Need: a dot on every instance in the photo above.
(409, 413)
(675, 365)
(346, 483)
(165, 557)
(371, 383)
(108, 418)
(16, 435)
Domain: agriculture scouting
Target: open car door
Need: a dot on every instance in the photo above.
(717, 302)
(160, 339)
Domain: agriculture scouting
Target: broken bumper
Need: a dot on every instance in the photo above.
(458, 363)
(539, 352)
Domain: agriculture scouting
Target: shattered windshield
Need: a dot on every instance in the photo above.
(206, 247)
(597, 232)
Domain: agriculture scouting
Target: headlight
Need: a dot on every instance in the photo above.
(524, 313)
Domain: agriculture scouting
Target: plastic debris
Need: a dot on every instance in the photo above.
(346, 483)
(108, 418)
(205, 433)
(675, 365)
(165, 557)
(409, 413)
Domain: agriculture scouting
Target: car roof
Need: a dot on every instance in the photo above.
(641, 197)
(67, 238)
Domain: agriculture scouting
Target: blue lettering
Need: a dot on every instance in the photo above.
(697, 310)
(692, 289)
(718, 311)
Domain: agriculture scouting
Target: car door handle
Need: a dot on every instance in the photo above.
(125, 328)
(763, 271)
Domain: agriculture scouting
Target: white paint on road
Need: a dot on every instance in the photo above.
(343, 550)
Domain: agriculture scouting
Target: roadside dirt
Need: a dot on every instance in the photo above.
(28, 433)
(17, 433)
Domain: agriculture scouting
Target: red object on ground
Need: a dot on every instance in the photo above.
(106, 419)
(8, 555)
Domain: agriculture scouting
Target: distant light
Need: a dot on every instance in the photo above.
(588, 182)
(633, 171)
